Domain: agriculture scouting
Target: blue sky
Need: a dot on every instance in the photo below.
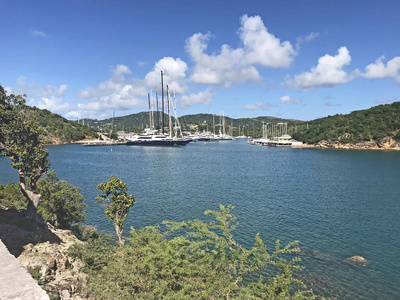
(291, 59)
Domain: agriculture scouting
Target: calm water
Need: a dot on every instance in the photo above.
(337, 203)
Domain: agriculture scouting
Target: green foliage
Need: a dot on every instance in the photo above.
(54, 126)
(19, 140)
(95, 253)
(61, 203)
(116, 203)
(372, 124)
(36, 273)
(192, 260)
(11, 197)
(84, 232)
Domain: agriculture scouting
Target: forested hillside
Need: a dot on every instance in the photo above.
(371, 125)
(55, 129)
(137, 122)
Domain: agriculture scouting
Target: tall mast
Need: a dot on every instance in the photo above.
(158, 114)
(148, 97)
(162, 97)
(169, 115)
(213, 125)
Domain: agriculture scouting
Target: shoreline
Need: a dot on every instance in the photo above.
(352, 147)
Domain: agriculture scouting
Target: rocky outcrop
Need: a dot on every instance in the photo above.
(356, 260)
(43, 252)
(386, 144)
(15, 281)
(58, 273)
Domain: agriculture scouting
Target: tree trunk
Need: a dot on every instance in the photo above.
(34, 200)
(118, 231)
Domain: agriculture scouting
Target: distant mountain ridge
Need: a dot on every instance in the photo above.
(137, 122)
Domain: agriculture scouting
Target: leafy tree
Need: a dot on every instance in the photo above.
(193, 260)
(116, 203)
(61, 203)
(19, 140)
(11, 197)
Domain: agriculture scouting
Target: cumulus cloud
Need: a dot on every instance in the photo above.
(117, 93)
(328, 72)
(174, 73)
(38, 33)
(204, 97)
(53, 104)
(380, 70)
(230, 66)
(35, 90)
(262, 47)
(257, 106)
(288, 100)
(45, 97)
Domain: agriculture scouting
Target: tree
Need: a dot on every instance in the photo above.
(61, 203)
(193, 260)
(116, 203)
(19, 140)
(11, 197)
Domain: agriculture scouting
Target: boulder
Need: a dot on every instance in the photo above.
(357, 260)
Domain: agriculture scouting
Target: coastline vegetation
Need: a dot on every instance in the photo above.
(373, 124)
(188, 260)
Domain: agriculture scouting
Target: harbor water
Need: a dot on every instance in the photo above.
(336, 203)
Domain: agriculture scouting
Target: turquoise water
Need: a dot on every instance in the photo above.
(337, 203)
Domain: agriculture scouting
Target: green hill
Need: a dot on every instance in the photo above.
(371, 125)
(137, 122)
(57, 130)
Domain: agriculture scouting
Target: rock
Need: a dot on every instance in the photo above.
(65, 295)
(60, 274)
(357, 260)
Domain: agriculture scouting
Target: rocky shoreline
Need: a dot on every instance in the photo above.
(386, 144)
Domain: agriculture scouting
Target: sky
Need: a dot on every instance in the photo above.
(290, 59)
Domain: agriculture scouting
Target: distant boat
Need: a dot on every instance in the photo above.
(155, 140)
(284, 141)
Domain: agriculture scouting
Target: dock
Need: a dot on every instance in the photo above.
(93, 144)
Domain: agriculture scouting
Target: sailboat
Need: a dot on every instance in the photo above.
(151, 137)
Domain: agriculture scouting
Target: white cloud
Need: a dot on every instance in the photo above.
(262, 47)
(257, 106)
(53, 104)
(47, 97)
(35, 90)
(8, 90)
(174, 73)
(379, 70)
(199, 98)
(117, 93)
(301, 40)
(328, 72)
(38, 33)
(288, 100)
(230, 66)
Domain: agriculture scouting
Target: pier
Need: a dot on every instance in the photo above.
(93, 144)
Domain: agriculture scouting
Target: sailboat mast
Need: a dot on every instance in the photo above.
(158, 114)
(169, 115)
(148, 97)
(162, 97)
